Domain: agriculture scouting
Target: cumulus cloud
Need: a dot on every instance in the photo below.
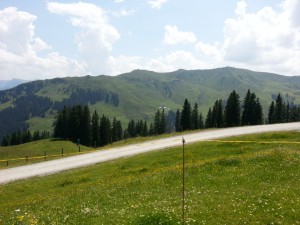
(124, 12)
(176, 60)
(123, 64)
(173, 36)
(179, 59)
(266, 39)
(96, 36)
(156, 4)
(20, 50)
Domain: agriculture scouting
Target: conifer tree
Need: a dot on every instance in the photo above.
(96, 129)
(131, 129)
(271, 114)
(163, 122)
(195, 118)
(186, 116)
(85, 127)
(258, 113)
(252, 110)
(145, 129)
(177, 121)
(116, 130)
(279, 109)
(217, 114)
(232, 110)
(201, 122)
(157, 122)
(209, 120)
(105, 130)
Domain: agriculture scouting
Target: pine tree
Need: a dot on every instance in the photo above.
(96, 129)
(209, 120)
(6, 140)
(271, 114)
(145, 129)
(186, 116)
(232, 110)
(151, 130)
(163, 123)
(201, 122)
(258, 113)
(36, 135)
(85, 127)
(58, 127)
(247, 111)
(157, 122)
(195, 118)
(65, 114)
(177, 121)
(105, 130)
(119, 130)
(74, 123)
(279, 109)
(252, 111)
(116, 130)
(217, 115)
(131, 129)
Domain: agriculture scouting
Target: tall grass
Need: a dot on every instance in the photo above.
(226, 183)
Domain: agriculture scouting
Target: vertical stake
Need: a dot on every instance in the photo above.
(183, 188)
(78, 148)
(45, 155)
(62, 152)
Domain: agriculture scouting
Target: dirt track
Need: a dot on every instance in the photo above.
(55, 166)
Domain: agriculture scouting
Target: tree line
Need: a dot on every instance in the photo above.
(77, 124)
(22, 137)
(234, 112)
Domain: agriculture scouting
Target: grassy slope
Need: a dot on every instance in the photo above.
(226, 183)
(36, 149)
(142, 92)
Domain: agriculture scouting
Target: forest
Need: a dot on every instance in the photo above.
(77, 124)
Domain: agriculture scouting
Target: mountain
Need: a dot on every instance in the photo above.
(136, 95)
(7, 84)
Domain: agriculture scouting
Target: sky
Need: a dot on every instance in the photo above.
(43, 39)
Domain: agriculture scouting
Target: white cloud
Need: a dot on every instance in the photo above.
(123, 64)
(96, 36)
(119, 1)
(266, 40)
(207, 50)
(173, 36)
(156, 4)
(124, 12)
(175, 60)
(20, 50)
(172, 61)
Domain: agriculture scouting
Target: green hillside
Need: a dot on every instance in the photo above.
(136, 95)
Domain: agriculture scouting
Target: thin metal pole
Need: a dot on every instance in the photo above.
(183, 187)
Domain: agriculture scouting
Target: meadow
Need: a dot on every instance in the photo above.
(253, 181)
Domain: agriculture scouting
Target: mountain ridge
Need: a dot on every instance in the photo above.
(136, 94)
(7, 84)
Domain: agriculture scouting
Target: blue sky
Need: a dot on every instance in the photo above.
(46, 39)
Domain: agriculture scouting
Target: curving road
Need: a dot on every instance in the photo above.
(55, 166)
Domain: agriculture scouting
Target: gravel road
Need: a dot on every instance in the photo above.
(55, 166)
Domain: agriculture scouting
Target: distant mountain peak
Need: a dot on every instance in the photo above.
(8, 84)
